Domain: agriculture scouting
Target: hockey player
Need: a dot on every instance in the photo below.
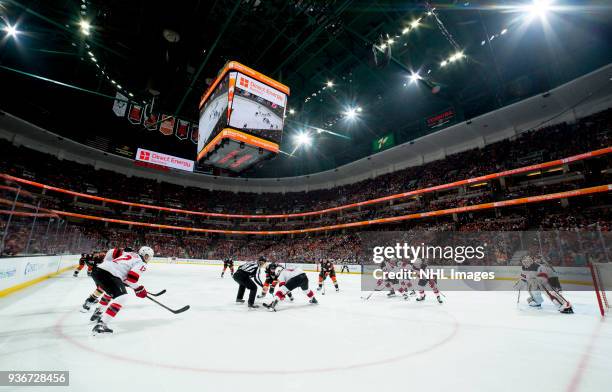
(270, 282)
(85, 260)
(289, 279)
(247, 277)
(419, 265)
(392, 284)
(113, 276)
(93, 298)
(228, 263)
(536, 278)
(327, 268)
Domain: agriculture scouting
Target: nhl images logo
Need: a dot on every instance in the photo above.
(145, 156)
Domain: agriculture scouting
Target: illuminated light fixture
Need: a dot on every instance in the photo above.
(478, 185)
(94, 60)
(414, 77)
(504, 31)
(11, 31)
(91, 54)
(443, 63)
(291, 111)
(383, 46)
(538, 8)
(415, 23)
(303, 139)
(113, 82)
(351, 113)
(456, 56)
(483, 43)
(534, 173)
(329, 83)
(130, 94)
(358, 109)
(119, 86)
(406, 30)
(85, 27)
(390, 41)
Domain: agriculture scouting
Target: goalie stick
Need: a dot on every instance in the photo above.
(177, 311)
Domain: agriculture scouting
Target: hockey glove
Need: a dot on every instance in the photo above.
(140, 291)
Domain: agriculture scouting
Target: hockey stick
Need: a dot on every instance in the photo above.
(158, 294)
(518, 297)
(181, 310)
(368, 296)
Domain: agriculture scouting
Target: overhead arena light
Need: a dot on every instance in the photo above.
(415, 23)
(85, 27)
(291, 111)
(538, 8)
(351, 113)
(414, 77)
(303, 139)
(11, 31)
(330, 83)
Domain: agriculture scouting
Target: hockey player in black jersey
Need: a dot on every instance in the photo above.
(86, 260)
(327, 268)
(247, 277)
(228, 263)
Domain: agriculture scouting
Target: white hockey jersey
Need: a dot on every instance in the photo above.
(128, 267)
(288, 273)
(112, 253)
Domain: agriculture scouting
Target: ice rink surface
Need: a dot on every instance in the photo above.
(475, 341)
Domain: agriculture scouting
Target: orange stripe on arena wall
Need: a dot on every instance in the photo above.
(236, 66)
(525, 169)
(394, 219)
(229, 133)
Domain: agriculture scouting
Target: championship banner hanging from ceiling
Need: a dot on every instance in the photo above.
(151, 122)
(135, 114)
(182, 129)
(167, 124)
(120, 105)
(195, 133)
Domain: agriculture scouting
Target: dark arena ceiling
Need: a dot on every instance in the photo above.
(323, 50)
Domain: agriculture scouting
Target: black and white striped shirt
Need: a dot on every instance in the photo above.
(252, 269)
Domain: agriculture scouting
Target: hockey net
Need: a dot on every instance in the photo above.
(602, 283)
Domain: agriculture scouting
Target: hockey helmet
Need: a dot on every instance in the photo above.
(418, 262)
(527, 261)
(146, 253)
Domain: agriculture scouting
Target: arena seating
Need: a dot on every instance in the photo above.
(530, 148)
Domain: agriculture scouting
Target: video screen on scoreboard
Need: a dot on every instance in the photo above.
(213, 113)
(257, 108)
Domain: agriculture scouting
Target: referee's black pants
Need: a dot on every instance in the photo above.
(242, 278)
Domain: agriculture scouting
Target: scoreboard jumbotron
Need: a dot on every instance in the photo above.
(241, 118)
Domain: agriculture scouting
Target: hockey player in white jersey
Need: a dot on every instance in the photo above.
(420, 267)
(113, 276)
(289, 279)
(94, 297)
(536, 278)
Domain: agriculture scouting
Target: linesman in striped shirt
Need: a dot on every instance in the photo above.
(247, 277)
